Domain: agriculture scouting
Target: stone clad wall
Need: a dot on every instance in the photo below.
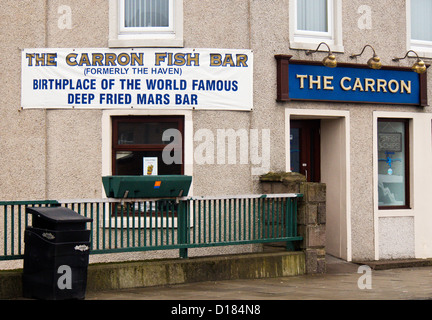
(311, 218)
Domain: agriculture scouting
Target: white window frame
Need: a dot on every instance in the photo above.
(120, 36)
(423, 48)
(308, 40)
(106, 128)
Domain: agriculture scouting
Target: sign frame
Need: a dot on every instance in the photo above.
(283, 92)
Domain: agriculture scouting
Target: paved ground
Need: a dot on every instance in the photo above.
(267, 298)
(341, 282)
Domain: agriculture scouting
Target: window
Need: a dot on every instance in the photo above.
(146, 16)
(142, 23)
(313, 17)
(137, 139)
(393, 160)
(420, 26)
(314, 21)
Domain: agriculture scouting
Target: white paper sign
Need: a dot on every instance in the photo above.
(150, 166)
(137, 78)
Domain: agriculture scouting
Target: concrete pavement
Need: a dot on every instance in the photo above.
(270, 297)
(343, 281)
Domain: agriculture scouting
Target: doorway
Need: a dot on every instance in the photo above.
(321, 140)
(305, 148)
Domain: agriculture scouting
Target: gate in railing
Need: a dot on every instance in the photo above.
(159, 224)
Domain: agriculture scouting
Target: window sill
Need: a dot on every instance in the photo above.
(422, 51)
(300, 45)
(124, 43)
(387, 212)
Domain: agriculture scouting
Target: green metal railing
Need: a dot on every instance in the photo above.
(157, 224)
(13, 221)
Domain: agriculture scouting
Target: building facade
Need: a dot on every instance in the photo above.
(252, 75)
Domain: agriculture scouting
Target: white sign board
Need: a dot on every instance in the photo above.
(137, 78)
(150, 166)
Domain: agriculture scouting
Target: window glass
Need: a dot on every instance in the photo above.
(131, 163)
(421, 22)
(392, 166)
(295, 149)
(312, 15)
(137, 139)
(146, 13)
(143, 132)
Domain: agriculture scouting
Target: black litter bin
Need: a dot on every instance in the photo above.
(56, 254)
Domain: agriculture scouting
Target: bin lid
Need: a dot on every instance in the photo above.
(158, 186)
(58, 214)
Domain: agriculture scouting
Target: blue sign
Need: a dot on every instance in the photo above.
(312, 82)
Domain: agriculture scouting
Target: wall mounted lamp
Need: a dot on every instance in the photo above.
(374, 62)
(329, 60)
(419, 66)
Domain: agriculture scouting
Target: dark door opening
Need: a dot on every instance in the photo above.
(305, 148)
